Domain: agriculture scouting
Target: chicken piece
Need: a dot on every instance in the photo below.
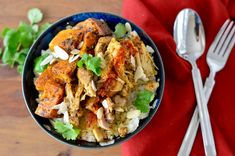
(92, 104)
(115, 87)
(43, 78)
(146, 62)
(151, 86)
(85, 77)
(64, 70)
(129, 47)
(75, 119)
(131, 51)
(52, 95)
(122, 131)
(106, 86)
(67, 39)
(75, 104)
(92, 29)
(102, 44)
(103, 123)
(139, 73)
(98, 133)
(108, 107)
(118, 56)
(95, 25)
(119, 101)
(69, 92)
(88, 120)
(74, 109)
(89, 42)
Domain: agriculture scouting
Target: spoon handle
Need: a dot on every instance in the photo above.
(190, 135)
(208, 139)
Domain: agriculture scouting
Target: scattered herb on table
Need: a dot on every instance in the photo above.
(92, 63)
(143, 99)
(66, 130)
(17, 41)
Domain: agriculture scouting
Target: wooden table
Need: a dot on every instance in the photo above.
(19, 134)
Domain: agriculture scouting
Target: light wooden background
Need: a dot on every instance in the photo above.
(19, 134)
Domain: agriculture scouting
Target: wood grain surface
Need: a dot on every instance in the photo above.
(19, 134)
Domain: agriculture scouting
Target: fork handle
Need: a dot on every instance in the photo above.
(209, 85)
(187, 144)
(208, 139)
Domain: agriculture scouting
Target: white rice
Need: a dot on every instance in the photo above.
(133, 124)
(107, 143)
(133, 114)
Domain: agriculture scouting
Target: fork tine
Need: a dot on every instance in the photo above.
(218, 36)
(230, 47)
(222, 39)
(227, 41)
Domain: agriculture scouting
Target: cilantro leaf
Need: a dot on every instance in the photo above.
(8, 56)
(20, 68)
(16, 42)
(35, 15)
(35, 28)
(66, 130)
(0, 52)
(37, 64)
(143, 99)
(120, 30)
(4, 31)
(20, 56)
(92, 63)
(11, 39)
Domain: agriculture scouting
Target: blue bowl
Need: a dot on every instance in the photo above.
(30, 93)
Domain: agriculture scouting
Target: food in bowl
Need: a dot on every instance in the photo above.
(95, 84)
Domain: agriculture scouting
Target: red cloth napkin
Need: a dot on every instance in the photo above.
(164, 134)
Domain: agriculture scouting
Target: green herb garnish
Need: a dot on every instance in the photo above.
(17, 41)
(0, 52)
(35, 15)
(92, 63)
(66, 130)
(37, 64)
(120, 30)
(143, 100)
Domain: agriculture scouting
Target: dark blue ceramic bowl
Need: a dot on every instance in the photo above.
(30, 93)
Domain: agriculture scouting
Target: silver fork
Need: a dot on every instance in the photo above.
(217, 57)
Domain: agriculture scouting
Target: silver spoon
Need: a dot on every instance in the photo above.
(190, 41)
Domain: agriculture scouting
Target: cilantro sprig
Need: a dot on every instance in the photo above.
(17, 41)
(38, 68)
(92, 63)
(35, 15)
(143, 100)
(66, 130)
(120, 30)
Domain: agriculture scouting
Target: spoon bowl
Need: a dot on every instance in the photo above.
(189, 35)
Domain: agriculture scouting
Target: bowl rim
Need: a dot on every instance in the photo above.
(118, 141)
